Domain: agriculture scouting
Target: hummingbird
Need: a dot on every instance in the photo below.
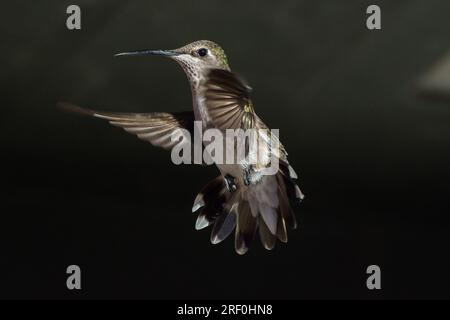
(241, 198)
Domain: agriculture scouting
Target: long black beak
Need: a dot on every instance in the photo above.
(167, 53)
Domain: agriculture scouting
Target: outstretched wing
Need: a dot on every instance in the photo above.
(156, 127)
(228, 106)
(227, 100)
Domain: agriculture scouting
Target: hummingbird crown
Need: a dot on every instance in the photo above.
(206, 52)
(197, 57)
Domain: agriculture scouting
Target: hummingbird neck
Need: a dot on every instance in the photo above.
(196, 72)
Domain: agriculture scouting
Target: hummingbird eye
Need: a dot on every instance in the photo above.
(202, 52)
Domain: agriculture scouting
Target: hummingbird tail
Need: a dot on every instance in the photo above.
(265, 206)
(227, 211)
(271, 204)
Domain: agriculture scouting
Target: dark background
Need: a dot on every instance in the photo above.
(372, 153)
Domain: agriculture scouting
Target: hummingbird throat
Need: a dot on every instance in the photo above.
(192, 71)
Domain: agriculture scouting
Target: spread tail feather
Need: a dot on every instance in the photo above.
(265, 207)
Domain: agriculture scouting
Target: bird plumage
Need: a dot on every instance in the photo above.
(221, 100)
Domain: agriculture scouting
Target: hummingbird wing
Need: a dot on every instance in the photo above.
(227, 100)
(228, 106)
(156, 127)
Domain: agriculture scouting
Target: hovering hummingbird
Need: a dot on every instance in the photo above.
(241, 198)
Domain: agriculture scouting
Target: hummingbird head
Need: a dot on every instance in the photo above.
(195, 58)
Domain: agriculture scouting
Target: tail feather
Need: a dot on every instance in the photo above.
(285, 207)
(290, 177)
(266, 208)
(270, 216)
(211, 201)
(226, 222)
(267, 238)
(281, 231)
(245, 228)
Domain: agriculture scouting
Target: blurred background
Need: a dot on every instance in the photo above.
(364, 115)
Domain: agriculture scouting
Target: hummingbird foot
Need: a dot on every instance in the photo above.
(251, 175)
(230, 182)
(247, 175)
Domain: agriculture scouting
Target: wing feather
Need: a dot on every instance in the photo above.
(227, 99)
(156, 127)
(228, 106)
